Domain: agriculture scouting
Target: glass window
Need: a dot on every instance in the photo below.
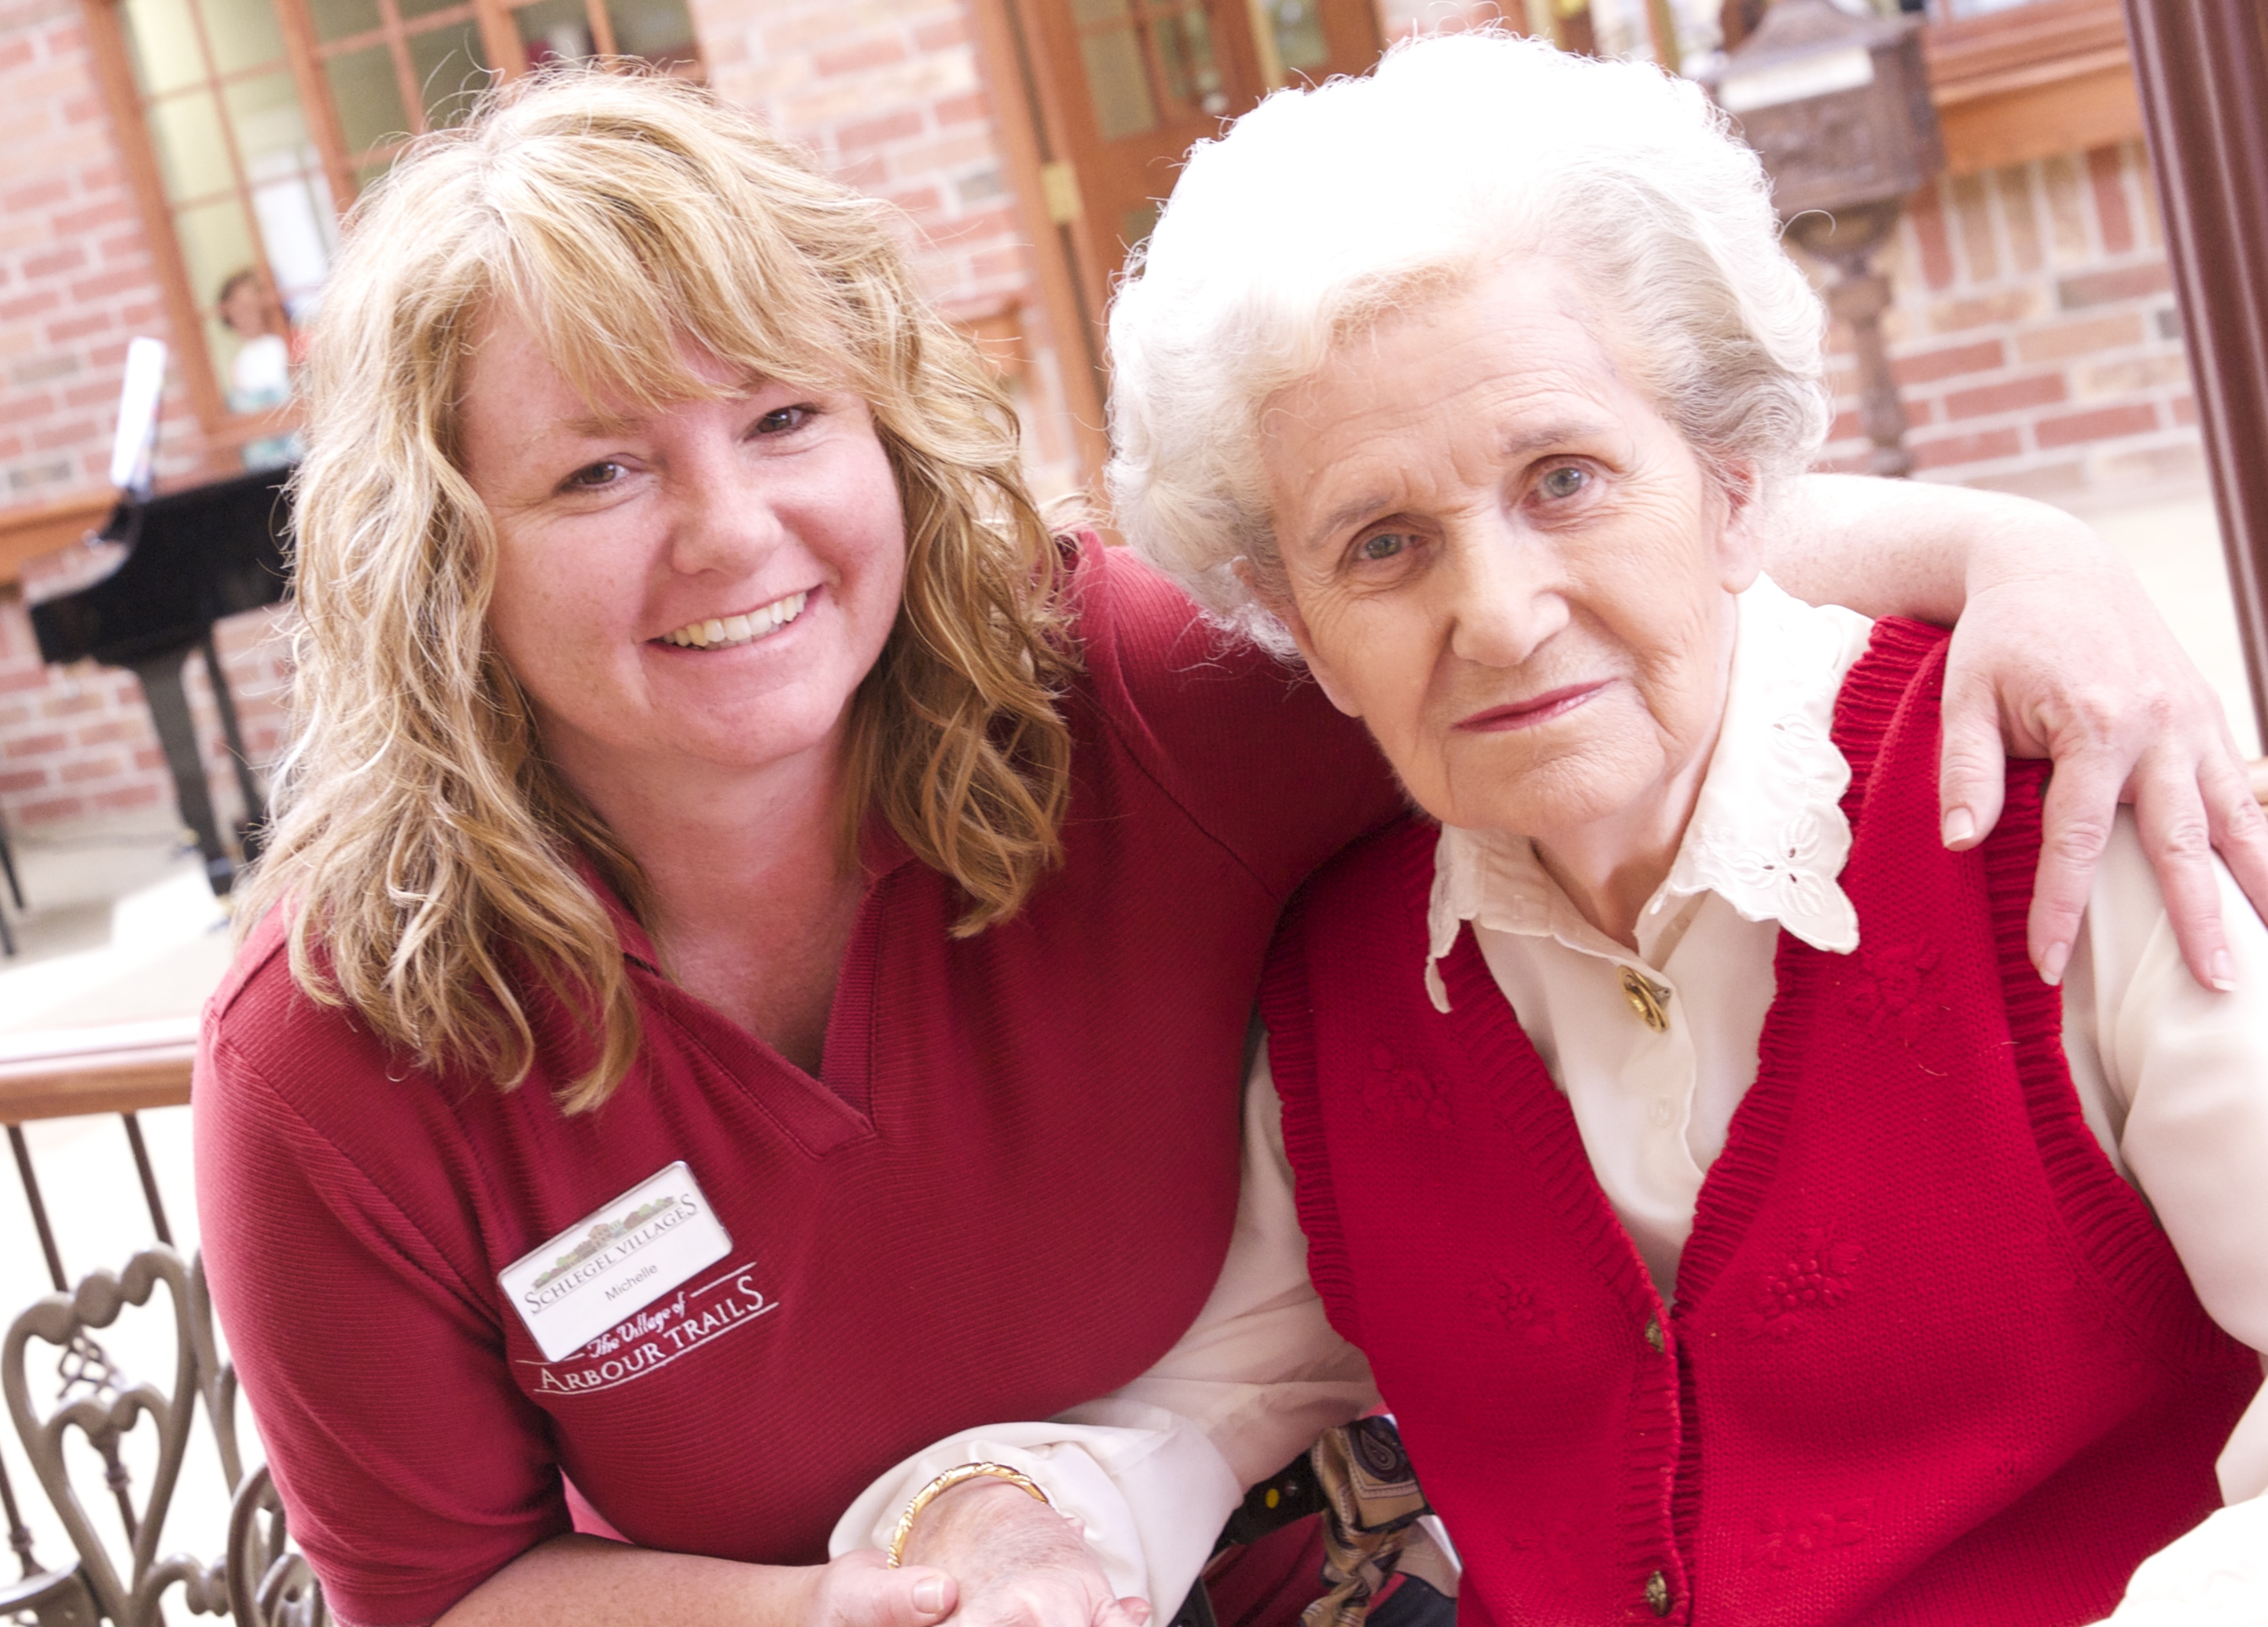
(255, 176)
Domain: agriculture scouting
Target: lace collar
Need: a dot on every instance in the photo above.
(1767, 835)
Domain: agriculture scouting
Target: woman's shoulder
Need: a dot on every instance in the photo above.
(1248, 746)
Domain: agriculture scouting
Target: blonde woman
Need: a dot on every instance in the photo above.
(751, 976)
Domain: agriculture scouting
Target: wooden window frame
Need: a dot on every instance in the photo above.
(224, 433)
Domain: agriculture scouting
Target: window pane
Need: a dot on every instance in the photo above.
(369, 100)
(335, 19)
(553, 30)
(1297, 26)
(186, 131)
(1185, 47)
(451, 70)
(216, 244)
(290, 199)
(660, 30)
(243, 34)
(163, 42)
(1089, 12)
(1118, 83)
(421, 8)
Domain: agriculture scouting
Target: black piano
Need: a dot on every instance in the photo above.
(193, 557)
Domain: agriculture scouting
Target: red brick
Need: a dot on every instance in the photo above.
(1977, 448)
(1846, 425)
(51, 812)
(30, 677)
(149, 757)
(2104, 172)
(70, 327)
(858, 56)
(80, 772)
(942, 35)
(118, 281)
(38, 194)
(23, 779)
(36, 745)
(2066, 340)
(57, 437)
(69, 258)
(15, 54)
(68, 704)
(111, 732)
(970, 110)
(2130, 282)
(2184, 408)
(25, 407)
(1949, 361)
(130, 796)
(2101, 424)
(110, 212)
(918, 202)
(2040, 390)
(30, 305)
(874, 132)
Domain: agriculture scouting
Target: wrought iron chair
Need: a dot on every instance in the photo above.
(262, 1582)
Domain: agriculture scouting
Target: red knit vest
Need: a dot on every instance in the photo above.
(1932, 1360)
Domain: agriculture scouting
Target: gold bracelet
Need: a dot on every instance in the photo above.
(945, 1483)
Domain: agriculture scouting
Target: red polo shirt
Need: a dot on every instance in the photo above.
(1009, 1190)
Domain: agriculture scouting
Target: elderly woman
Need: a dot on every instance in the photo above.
(752, 974)
(1737, 1226)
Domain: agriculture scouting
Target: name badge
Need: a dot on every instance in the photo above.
(614, 1261)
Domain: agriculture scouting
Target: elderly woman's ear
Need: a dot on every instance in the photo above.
(1742, 535)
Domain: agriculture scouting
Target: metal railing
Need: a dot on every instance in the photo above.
(127, 1069)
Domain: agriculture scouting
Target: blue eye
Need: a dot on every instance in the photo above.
(1564, 482)
(1385, 545)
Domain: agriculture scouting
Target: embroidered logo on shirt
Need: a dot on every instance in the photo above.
(658, 1336)
(1815, 1275)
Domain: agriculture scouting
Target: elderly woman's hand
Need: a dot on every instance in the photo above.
(2126, 716)
(1018, 1562)
(2109, 694)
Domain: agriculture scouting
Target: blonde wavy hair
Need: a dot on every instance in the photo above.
(427, 851)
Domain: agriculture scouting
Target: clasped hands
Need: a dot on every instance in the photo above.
(986, 1555)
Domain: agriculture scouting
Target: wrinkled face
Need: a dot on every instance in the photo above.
(1503, 559)
(702, 587)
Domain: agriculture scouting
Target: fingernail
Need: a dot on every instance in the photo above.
(2051, 963)
(929, 1595)
(2224, 971)
(1960, 827)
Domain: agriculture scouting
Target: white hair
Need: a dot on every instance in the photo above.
(1323, 211)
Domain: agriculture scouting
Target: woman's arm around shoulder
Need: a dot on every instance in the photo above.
(1243, 743)
(2056, 653)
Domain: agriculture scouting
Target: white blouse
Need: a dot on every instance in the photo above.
(2173, 1079)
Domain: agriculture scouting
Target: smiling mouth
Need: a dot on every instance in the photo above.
(1539, 709)
(724, 633)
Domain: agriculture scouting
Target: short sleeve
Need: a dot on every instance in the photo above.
(1248, 746)
(412, 1465)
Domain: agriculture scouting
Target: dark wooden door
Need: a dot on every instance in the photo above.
(1125, 87)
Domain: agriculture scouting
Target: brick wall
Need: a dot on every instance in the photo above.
(2034, 335)
(76, 278)
(76, 747)
(890, 95)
